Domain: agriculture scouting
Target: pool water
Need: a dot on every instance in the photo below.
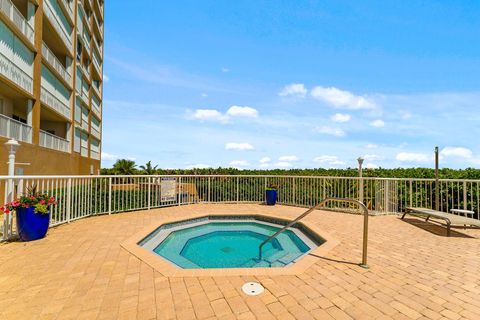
(228, 244)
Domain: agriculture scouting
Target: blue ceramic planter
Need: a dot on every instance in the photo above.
(30, 225)
(271, 197)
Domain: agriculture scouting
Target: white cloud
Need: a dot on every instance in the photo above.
(283, 164)
(341, 117)
(238, 111)
(224, 70)
(413, 157)
(105, 78)
(295, 90)
(290, 158)
(457, 152)
(204, 95)
(217, 116)
(405, 115)
(329, 160)
(238, 163)
(198, 166)
(372, 157)
(209, 115)
(378, 123)
(242, 146)
(265, 160)
(264, 165)
(371, 146)
(337, 132)
(341, 99)
(371, 166)
(109, 157)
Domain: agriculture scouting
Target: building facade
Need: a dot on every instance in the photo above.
(51, 76)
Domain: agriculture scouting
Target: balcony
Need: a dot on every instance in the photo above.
(96, 107)
(14, 129)
(8, 9)
(55, 101)
(55, 20)
(68, 7)
(98, 26)
(56, 65)
(85, 95)
(97, 65)
(95, 132)
(10, 70)
(97, 91)
(51, 141)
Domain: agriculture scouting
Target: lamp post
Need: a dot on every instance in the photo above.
(360, 175)
(12, 146)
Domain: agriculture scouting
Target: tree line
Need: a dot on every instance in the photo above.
(129, 167)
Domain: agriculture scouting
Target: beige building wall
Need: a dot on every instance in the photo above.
(39, 56)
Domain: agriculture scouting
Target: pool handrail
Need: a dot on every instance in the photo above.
(363, 264)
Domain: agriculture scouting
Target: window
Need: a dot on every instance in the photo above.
(76, 140)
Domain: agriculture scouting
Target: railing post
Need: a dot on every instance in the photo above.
(386, 196)
(411, 193)
(69, 199)
(465, 195)
(179, 195)
(208, 189)
(238, 191)
(294, 191)
(149, 192)
(110, 195)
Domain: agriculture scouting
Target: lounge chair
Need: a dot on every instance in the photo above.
(451, 220)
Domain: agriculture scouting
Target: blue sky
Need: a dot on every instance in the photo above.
(292, 84)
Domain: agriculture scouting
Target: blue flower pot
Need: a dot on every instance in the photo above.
(31, 225)
(271, 197)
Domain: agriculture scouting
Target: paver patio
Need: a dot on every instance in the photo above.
(80, 271)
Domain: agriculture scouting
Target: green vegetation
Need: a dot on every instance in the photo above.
(120, 166)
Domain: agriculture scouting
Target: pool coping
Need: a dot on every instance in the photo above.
(168, 269)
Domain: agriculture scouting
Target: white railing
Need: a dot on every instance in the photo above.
(51, 141)
(55, 64)
(95, 132)
(96, 63)
(15, 74)
(96, 108)
(68, 5)
(57, 24)
(9, 9)
(95, 155)
(54, 101)
(83, 196)
(11, 128)
(97, 91)
(98, 25)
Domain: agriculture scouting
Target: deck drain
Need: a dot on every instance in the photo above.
(252, 288)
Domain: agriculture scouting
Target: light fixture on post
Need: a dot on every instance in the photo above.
(12, 146)
(360, 176)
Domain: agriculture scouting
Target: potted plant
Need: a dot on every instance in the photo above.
(32, 213)
(271, 195)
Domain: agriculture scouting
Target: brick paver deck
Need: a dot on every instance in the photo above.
(80, 271)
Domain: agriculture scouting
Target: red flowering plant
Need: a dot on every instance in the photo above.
(41, 202)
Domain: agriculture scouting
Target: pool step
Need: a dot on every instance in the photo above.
(289, 257)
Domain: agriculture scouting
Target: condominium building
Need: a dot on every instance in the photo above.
(51, 74)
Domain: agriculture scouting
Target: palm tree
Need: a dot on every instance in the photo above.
(148, 169)
(124, 167)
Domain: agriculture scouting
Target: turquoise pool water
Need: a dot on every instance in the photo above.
(228, 244)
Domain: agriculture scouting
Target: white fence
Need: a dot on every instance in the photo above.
(83, 196)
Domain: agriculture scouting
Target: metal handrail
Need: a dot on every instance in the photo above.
(321, 203)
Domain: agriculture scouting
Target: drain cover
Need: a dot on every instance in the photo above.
(252, 288)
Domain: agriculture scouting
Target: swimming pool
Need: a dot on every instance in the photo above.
(229, 242)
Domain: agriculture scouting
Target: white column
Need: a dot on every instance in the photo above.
(29, 112)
